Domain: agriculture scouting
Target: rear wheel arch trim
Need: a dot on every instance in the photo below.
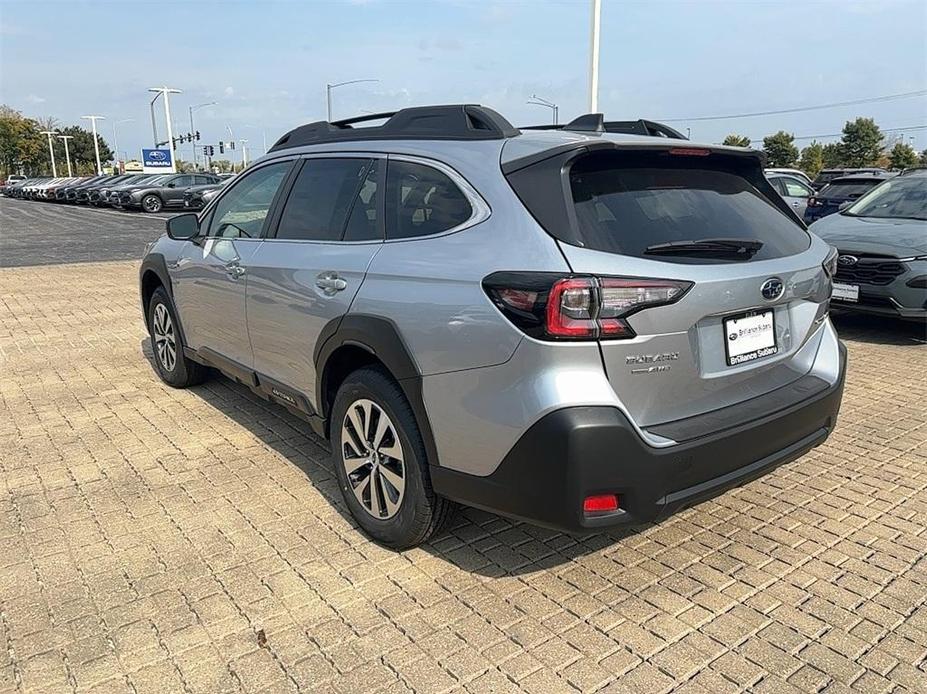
(380, 337)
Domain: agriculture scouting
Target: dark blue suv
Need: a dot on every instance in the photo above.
(839, 191)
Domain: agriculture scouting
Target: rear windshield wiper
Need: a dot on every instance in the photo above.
(728, 248)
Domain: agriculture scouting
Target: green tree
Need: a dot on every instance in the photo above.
(80, 147)
(812, 159)
(861, 142)
(222, 165)
(902, 156)
(22, 148)
(780, 149)
(923, 160)
(735, 140)
(833, 155)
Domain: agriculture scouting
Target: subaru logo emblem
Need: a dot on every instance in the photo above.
(157, 156)
(772, 289)
(847, 260)
(732, 337)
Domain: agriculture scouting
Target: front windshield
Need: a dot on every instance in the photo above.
(904, 197)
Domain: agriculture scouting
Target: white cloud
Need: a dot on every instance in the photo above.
(34, 99)
(229, 92)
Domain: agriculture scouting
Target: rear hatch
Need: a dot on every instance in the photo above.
(754, 287)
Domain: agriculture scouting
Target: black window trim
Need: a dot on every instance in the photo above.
(272, 229)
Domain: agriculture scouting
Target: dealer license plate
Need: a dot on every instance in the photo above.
(749, 336)
(845, 292)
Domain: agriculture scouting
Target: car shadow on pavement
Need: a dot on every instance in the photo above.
(473, 540)
(879, 330)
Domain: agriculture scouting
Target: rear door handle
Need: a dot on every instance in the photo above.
(330, 283)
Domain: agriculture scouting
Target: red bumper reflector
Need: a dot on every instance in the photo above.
(600, 502)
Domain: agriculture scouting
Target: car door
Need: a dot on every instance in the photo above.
(308, 270)
(796, 193)
(172, 191)
(210, 274)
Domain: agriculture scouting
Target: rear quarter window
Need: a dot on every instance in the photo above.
(625, 205)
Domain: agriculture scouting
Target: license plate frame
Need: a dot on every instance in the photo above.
(757, 349)
(845, 292)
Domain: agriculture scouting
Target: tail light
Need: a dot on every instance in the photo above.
(552, 307)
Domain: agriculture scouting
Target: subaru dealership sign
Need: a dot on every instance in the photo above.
(157, 161)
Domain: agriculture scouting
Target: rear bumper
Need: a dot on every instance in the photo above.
(580, 451)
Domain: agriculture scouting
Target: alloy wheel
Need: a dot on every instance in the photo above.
(151, 204)
(164, 338)
(373, 459)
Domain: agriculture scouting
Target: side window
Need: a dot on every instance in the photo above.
(203, 180)
(182, 181)
(241, 212)
(777, 184)
(420, 200)
(794, 189)
(319, 203)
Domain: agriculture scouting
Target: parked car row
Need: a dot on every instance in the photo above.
(145, 192)
(881, 240)
(812, 204)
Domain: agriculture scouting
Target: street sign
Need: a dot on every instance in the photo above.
(157, 161)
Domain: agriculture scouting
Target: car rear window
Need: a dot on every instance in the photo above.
(626, 209)
(847, 188)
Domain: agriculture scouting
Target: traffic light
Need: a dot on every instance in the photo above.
(232, 144)
(221, 148)
(197, 135)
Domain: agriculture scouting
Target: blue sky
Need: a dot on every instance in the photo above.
(266, 63)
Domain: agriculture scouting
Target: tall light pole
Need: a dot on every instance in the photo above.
(193, 129)
(165, 92)
(244, 154)
(594, 56)
(96, 145)
(263, 136)
(67, 153)
(535, 100)
(51, 150)
(116, 140)
(330, 87)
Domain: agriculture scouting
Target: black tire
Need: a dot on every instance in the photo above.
(177, 372)
(421, 512)
(152, 203)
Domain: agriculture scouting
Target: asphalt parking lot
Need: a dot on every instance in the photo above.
(155, 540)
(50, 234)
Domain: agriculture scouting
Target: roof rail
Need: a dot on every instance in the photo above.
(595, 122)
(451, 122)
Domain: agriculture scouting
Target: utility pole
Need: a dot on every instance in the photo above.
(51, 150)
(538, 101)
(96, 145)
(193, 129)
(67, 153)
(165, 92)
(117, 170)
(328, 93)
(594, 57)
(244, 154)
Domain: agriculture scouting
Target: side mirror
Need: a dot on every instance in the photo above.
(171, 185)
(183, 227)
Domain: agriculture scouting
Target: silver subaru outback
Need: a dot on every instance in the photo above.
(579, 326)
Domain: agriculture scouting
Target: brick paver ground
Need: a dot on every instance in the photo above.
(155, 540)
